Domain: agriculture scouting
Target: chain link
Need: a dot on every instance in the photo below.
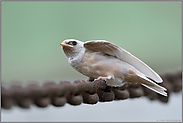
(80, 91)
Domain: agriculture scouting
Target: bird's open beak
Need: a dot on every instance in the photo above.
(63, 45)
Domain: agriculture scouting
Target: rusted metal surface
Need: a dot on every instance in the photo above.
(80, 91)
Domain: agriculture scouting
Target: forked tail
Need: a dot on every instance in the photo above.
(151, 84)
(157, 88)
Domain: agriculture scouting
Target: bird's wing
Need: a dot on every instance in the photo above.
(113, 50)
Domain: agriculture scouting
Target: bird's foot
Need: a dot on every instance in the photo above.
(103, 78)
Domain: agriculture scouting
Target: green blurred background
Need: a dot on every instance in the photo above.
(31, 32)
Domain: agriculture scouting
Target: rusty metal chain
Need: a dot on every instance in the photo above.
(80, 91)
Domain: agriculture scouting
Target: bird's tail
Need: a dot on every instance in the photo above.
(157, 88)
(153, 86)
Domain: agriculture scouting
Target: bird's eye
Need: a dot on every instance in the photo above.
(74, 43)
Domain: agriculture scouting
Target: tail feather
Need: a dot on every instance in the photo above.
(153, 86)
(157, 88)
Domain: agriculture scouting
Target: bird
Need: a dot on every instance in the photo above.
(103, 60)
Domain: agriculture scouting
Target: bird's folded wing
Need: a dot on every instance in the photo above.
(113, 50)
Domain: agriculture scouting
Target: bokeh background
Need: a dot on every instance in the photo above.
(31, 32)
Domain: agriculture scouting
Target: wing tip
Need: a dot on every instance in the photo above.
(159, 79)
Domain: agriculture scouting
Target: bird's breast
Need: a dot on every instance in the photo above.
(95, 64)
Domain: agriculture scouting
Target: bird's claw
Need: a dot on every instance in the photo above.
(90, 79)
(103, 78)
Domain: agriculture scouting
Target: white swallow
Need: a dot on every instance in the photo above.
(100, 59)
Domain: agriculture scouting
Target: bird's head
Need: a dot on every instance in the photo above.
(72, 47)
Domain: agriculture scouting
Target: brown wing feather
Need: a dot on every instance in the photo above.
(113, 50)
(101, 46)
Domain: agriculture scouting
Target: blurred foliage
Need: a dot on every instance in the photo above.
(31, 32)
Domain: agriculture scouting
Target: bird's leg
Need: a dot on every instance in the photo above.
(103, 78)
